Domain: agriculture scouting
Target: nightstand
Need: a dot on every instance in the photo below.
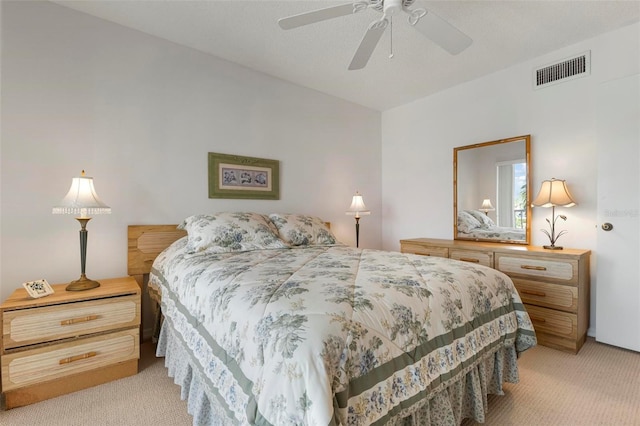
(68, 341)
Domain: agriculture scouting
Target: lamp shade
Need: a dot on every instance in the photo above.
(82, 199)
(357, 207)
(486, 206)
(553, 193)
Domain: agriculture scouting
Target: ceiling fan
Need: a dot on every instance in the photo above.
(429, 24)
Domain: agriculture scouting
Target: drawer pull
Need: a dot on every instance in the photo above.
(535, 268)
(77, 358)
(468, 259)
(534, 293)
(535, 319)
(79, 320)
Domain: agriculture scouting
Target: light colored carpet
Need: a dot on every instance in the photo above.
(148, 398)
(599, 386)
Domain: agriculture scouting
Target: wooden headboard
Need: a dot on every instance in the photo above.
(145, 244)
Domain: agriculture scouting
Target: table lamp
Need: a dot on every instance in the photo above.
(486, 206)
(553, 193)
(82, 201)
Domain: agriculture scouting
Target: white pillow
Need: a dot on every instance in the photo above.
(467, 223)
(485, 221)
(229, 232)
(302, 230)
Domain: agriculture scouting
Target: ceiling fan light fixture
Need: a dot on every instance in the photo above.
(429, 24)
(415, 15)
(360, 6)
(392, 6)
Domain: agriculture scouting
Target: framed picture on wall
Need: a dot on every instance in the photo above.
(236, 176)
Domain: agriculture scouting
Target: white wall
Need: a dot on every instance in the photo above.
(140, 114)
(418, 141)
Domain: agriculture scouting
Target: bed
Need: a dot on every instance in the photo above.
(302, 330)
(473, 224)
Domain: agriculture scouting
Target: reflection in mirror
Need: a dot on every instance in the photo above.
(491, 191)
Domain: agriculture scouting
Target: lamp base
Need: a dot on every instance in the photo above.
(81, 284)
(552, 247)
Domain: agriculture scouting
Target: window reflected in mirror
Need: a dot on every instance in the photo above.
(511, 193)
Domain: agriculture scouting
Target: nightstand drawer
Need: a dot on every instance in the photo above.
(51, 362)
(479, 257)
(42, 324)
(565, 271)
(554, 296)
(425, 251)
(558, 323)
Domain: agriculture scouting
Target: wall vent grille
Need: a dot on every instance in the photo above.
(565, 70)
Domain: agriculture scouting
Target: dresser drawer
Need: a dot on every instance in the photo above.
(43, 324)
(553, 296)
(565, 271)
(425, 251)
(563, 324)
(478, 257)
(51, 362)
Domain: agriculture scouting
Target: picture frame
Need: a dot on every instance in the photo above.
(38, 288)
(240, 177)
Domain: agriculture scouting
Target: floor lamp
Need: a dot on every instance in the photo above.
(357, 209)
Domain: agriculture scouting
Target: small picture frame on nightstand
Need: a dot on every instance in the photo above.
(38, 288)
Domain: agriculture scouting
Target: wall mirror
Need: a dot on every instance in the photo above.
(491, 191)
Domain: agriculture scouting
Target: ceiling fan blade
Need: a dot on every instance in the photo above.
(440, 31)
(307, 18)
(368, 44)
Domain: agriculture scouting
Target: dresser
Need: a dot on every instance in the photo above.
(68, 341)
(554, 285)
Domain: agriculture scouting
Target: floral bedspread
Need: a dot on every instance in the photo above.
(333, 335)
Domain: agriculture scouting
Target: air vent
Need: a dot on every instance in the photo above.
(565, 70)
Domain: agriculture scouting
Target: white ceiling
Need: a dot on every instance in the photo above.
(316, 56)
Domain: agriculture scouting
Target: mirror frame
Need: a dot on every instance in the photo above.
(527, 140)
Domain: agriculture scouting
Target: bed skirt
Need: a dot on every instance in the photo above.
(464, 396)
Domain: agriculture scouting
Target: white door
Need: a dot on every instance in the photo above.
(618, 250)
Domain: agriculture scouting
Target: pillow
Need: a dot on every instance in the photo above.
(485, 221)
(229, 232)
(467, 223)
(302, 230)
